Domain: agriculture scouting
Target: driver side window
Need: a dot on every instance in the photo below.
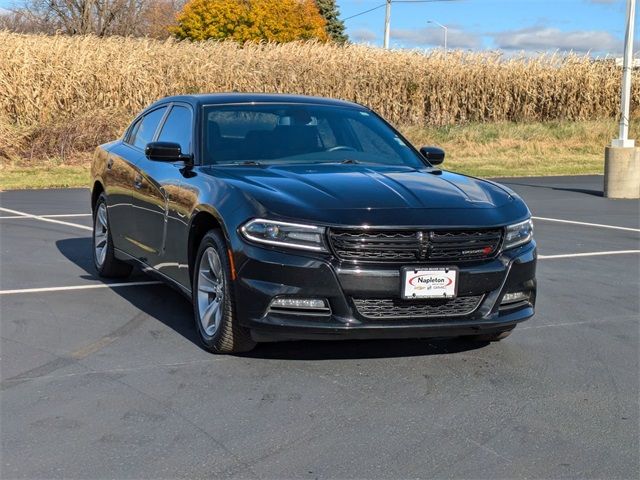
(144, 131)
(177, 128)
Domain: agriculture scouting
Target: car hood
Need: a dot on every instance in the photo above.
(358, 193)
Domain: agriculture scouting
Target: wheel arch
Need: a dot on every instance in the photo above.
(203, 220)
(96, 190)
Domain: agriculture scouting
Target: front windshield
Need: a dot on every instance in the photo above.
(277, 134)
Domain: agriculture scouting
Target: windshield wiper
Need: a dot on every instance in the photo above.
(248, 162)
(243, 162)
(349, 161)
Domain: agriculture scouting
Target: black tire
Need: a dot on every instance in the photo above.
(490, 337)
(110, 267)
(229, 336)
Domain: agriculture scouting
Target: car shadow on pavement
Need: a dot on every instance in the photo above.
(360, 349)
(586, 191)
(174, 310)
(160, 302)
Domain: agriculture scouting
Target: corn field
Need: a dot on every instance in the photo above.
(60, 94)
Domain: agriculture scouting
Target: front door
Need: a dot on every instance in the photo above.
(142, 132)
(160, 224)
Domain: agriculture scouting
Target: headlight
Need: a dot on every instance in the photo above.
(518, 234)
(293, 235)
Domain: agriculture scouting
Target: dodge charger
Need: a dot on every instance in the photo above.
(285, 217)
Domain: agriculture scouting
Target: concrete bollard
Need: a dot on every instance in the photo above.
(622, 172)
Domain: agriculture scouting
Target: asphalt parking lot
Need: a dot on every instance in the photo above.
(107, 381)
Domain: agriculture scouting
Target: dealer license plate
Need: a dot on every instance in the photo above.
(429, 282)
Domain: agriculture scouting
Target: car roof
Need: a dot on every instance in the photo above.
(235, 97)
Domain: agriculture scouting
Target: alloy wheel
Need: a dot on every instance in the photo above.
(210, 291)
(100, 234)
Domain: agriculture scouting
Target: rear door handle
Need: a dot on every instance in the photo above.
(137, 182)
(109, 163)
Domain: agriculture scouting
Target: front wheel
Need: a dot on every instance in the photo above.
(213, 300)
(104, 259)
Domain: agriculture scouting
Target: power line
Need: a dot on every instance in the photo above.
(422, 1)
(366, 11)
(394, 1)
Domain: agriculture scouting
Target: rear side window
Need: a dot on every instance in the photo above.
(177, 128)
(144, 130)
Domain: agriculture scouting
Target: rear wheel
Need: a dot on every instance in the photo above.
(213, 300)
(104, 260)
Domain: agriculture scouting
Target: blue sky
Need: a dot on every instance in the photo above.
(532, 25)
(595, 26)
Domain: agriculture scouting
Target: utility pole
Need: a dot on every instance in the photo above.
(387, 21)
(445, 33)
(622, 159)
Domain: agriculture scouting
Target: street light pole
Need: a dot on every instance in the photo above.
(387, 21)
(445, 32)
(627, 66)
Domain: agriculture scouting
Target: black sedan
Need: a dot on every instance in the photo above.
(291, 217)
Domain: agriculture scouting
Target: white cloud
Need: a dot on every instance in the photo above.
(363, 35)
(456, 38)
(547, 38)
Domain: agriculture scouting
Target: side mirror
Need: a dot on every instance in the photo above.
(435, 155)
(164, 152)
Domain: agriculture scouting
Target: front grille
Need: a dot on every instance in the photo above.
(382, 308)
(410, 246)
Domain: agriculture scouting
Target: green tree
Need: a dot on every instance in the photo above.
(335, 26)
(251, 20)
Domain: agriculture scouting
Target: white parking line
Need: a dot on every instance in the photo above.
(153, 282)
(588, 254)
(59, 215)
(44, 219)
(17, 214)
(599, 225)
(78, 287)
(51, 219)
(583, 322)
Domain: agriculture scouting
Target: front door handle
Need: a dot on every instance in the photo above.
(109, 163)
(137, 181)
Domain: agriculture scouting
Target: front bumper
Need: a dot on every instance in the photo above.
(265, 273)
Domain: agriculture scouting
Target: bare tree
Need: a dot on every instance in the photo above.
(159, 15)
(98, 17)
(23, 21)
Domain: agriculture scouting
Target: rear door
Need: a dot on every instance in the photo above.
(118, 182)
(160, 225)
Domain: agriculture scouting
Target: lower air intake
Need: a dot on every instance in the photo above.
(391, 308)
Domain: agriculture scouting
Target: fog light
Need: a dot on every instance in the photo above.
(290, 302)
(514, 297)
(300, 306)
